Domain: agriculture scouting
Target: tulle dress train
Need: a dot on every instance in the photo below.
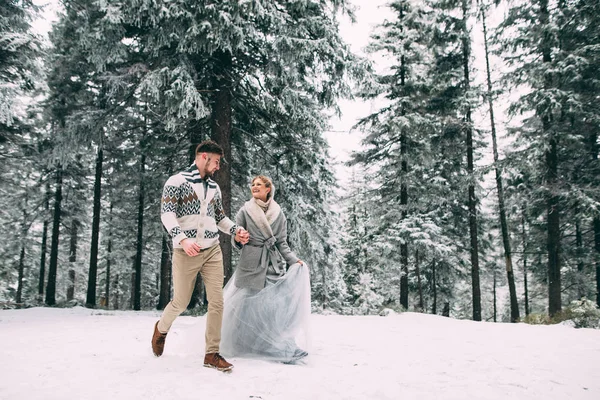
(270, 324)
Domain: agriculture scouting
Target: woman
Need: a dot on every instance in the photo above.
(266, 307)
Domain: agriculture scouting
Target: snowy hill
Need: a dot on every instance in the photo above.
(84, 354)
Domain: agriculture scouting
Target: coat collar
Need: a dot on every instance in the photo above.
(261, 219)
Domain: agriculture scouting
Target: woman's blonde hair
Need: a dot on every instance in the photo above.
(267, 182)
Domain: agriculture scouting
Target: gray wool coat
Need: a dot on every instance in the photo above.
(261, 251)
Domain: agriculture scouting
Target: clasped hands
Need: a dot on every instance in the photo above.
(242, 236)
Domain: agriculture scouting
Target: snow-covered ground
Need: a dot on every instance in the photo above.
(91, 354)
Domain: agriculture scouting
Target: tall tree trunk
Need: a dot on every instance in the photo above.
(108, 265)
(597, 248)
(403, 192)
(554, 285)
(525, 267)
(220, 124)
(93, 270)
(580, 264)
(165, 273)
(472, 204)
(166, 262)
(434, 285)
(72, 259)
(514, 304)
(21, 269)
(596, 223)
(108, 256)
(552, 201)
(132, 287)
(116, 302)
(419, 283)
(52, 269)
(495, 298)
(404, 244)
(325, 299)
(139, 241)
(21, 266)
(44, 242)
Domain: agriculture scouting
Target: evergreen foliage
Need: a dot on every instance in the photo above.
(130, 87)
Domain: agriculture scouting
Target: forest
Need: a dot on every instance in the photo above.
(95, 117)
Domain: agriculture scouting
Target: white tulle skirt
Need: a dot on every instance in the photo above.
(270, 324)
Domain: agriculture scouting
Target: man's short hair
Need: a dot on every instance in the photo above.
(209, 146)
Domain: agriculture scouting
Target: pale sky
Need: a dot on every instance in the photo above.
(342, 139)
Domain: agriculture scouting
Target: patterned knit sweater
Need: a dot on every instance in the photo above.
(188, 210)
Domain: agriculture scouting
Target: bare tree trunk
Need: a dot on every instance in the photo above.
(596, 223)
(21, 266)
(446, 309)
(472, 203)
(51, 284)
(108, 257)
(132, 288)
(434, 285)
(72, 259)
(325, 300)
(93, 270)
(554, 278)
(404, 244)
(221, 121)
(495, 298)
(525, 266)
(44, 242)
(403, 192)
(21, 269)
(514, 304)
(580, 264)
(419, 283)
(137, 289)
(165, 273)
(116, 302)
(552, 201)
(597, 248)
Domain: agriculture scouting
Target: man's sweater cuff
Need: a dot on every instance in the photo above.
(177, 239)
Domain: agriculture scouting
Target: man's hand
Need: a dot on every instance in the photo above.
(190, 247)
(242, 236)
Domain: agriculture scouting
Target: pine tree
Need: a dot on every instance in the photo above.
(452, 99)
(560, 86)
(514, 305)
(395, 136)
(20, 50)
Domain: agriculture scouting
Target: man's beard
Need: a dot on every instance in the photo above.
(207, 173)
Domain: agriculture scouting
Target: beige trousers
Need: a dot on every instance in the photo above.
(185, 270)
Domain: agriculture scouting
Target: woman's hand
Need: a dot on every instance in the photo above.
(242, 236)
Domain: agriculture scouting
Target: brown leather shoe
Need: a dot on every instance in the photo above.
(214, 360)
(158, 341)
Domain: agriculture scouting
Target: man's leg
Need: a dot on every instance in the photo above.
(185, 270)
(212, 275)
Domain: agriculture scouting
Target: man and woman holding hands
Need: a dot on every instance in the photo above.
(266, 305)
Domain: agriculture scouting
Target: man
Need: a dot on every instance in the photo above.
(192, 211)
